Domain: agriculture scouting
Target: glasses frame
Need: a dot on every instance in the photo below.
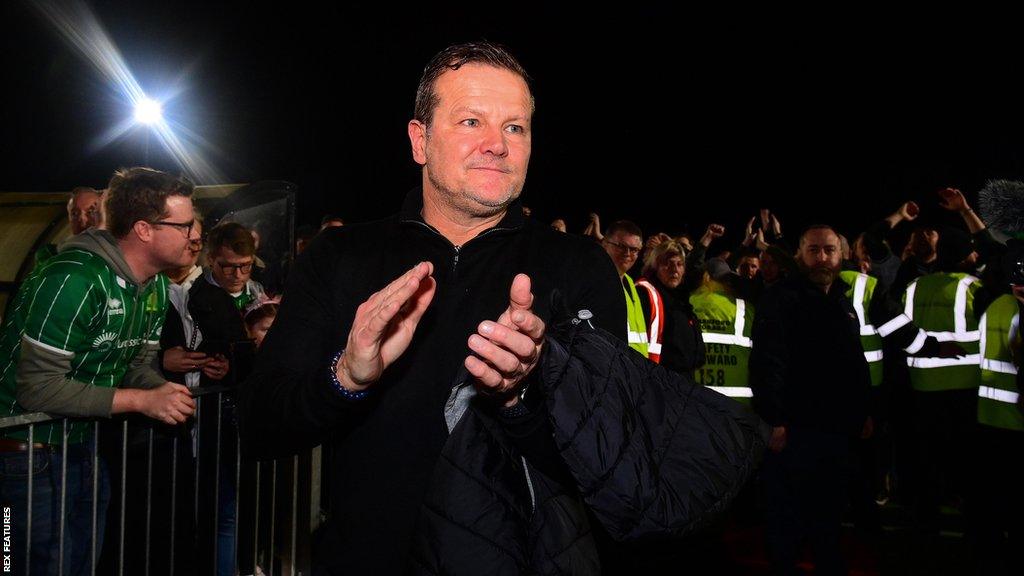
(186, 226)
(624, 247)
(237, 268)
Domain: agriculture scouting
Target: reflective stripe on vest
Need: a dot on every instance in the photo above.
(656, 325)
(998, 395)
(636, 326)
(715, 338)
(738, 326)
(970, 359)
(893, 325)
(741, 320)
(918, 343)
(996, 364)
(733, 391)
(908, 297)
(863, 290)
(859, 286)
(899, 322)
(947, 380)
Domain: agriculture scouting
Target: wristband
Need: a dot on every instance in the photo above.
(345, 392)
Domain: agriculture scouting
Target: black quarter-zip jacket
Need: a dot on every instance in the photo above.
(383, 448)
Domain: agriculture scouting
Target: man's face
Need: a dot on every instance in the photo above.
(195, 245)
(819, 256)
(559, 224)
(670, 271)
(749, 265)
(172, 246)
(1018, 292)
(923, 242)
(230, 270)
(84, 211)
(623, 248)
(476, 150)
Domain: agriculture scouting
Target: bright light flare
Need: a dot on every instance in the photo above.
(79, 27)
(148, 111)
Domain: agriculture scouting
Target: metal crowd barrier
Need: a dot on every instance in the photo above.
(279, 517)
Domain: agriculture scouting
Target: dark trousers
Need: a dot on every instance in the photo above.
(805, 494)
(943, 427)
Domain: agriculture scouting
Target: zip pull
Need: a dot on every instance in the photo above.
(455, 260)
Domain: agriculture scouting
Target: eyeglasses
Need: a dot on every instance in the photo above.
(186, 226)
(236, 268)
(623, 247)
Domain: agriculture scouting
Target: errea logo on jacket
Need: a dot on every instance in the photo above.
(114, 307)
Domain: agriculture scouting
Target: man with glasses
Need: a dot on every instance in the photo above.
(180, 360)
(218, 298)
(623, 241)
(216, 304)
(82, 341)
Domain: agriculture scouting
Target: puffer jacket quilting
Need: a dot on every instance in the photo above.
(653, 455)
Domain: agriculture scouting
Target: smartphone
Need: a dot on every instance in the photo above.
(214, 347)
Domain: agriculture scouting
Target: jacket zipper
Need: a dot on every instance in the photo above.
(456, 249)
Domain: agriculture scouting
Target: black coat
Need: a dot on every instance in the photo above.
(682, 345)
(651, 454)
(807, 366)
(220, 322)
(383, 449)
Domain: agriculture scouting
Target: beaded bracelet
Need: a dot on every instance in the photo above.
(345, 392)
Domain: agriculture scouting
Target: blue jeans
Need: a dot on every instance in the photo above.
(46, 506)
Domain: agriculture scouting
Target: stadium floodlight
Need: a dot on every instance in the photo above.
(77, 25)
(148, 111)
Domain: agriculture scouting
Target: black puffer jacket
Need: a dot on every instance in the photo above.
(648, 451)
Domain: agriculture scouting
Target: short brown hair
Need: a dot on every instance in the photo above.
(140, 193)
(233, 236)
(626, 227)
(455, 57)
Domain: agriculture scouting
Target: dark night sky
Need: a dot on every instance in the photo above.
(668, 118)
